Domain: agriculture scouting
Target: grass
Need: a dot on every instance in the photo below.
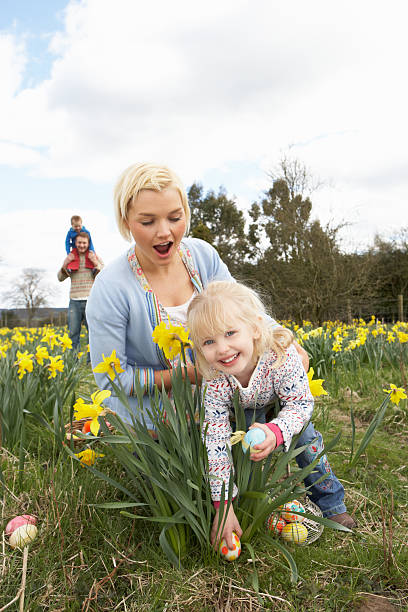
(86, 558)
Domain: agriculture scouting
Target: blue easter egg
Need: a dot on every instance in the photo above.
(252, 437)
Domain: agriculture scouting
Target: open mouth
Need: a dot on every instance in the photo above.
(230, 360)
(163, 248)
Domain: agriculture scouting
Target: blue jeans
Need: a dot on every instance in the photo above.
(76, 315)
(328, 494)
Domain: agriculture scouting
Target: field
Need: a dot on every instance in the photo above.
(87, 557)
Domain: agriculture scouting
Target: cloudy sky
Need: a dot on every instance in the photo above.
(218, 90)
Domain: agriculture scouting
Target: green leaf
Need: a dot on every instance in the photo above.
(117, 505)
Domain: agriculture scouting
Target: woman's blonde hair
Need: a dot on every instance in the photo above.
(144, 176)
(216, 309)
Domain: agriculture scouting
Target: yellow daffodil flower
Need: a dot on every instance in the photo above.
(24, 363)
(79, 403)
(3, 349)
(88, 456)
(110, 365)
(56, 365)
(19, 338)
(65, 342)
(170, 338)
(91, 411)
(402, 337)
(316, 385)
(41, 354)
(396, 393)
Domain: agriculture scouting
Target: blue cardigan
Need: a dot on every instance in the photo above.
(119, 317)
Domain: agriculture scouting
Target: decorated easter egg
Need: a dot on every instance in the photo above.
(252, 437)
(16, 522)
(87, 427)
(294, 532)
(230, 554)
(275, 523)
(22, 536)
(288, 512)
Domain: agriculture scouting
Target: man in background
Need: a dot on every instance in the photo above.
(82, 279)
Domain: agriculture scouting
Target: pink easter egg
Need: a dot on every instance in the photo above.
(18, 521)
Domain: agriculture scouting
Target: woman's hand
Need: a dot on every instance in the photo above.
(304, 357)
(267, 446)
(231, 524)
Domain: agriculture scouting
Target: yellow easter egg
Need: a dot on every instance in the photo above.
(22, 536)
(230, 554)
(294, 532)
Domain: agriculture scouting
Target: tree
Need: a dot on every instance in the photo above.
(389, 277)
(216, 219)
(282, 220)
(301, 266)
(30, 291)
(296, 175)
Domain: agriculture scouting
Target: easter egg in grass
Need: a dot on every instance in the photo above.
(22, 536)
(252, 437)
(18, 521)
(275, 523)
(230, 554)
(294, 532)
(289, 512)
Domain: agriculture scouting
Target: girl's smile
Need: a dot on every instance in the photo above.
(232, 351)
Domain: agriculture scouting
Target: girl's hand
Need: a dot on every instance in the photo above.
(70, 257)
(267, 446)
(93, 258)
(231, 524)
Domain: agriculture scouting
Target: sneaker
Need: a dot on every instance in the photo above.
(344, 519)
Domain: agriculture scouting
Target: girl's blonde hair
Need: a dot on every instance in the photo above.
(217, 308)
(144, 176)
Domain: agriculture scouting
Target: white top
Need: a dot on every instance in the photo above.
(178, 314)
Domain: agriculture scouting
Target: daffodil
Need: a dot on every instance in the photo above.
(79, 403)
(3, 349)
(88, 456)
(402, 337)
(316, 385)
(24, 363)
(171, 338)
(65, 342)
(41, 354)
(50, 337)
(19, 338)
(92, 411)
(110, 365)
(396, 393)
(56, 365)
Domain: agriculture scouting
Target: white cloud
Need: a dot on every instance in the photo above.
(207, 85)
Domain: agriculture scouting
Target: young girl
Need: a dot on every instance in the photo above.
(237, 348)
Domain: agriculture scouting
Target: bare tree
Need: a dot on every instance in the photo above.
(30, 291)
(297, 176)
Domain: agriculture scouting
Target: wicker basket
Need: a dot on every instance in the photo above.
(75, 428)
(314, 529)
